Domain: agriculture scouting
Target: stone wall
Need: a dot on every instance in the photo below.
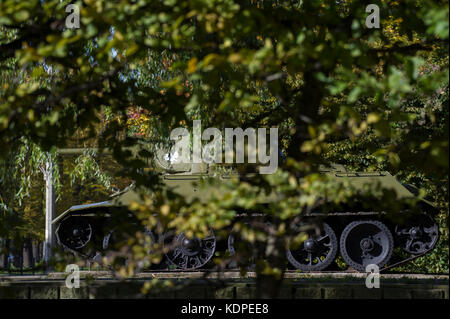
(224, 288)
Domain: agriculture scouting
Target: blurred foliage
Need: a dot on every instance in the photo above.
(338, 91)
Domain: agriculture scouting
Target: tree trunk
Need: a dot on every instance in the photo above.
(6, 254)
(268, 286)
(28, 260)
(17, 252)
(2, 253)
(36, 251)
(306, 110)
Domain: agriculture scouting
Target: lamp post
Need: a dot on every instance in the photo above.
(49, 210)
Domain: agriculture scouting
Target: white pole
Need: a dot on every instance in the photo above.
(49, 209)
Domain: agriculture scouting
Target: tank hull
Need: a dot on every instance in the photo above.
(362, 236)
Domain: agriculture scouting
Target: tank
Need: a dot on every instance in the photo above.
(361, 234)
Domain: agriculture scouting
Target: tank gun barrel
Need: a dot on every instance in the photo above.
(77, 151)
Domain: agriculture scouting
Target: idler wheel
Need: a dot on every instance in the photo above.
(418, 235)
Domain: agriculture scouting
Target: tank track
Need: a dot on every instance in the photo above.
(355, 224)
